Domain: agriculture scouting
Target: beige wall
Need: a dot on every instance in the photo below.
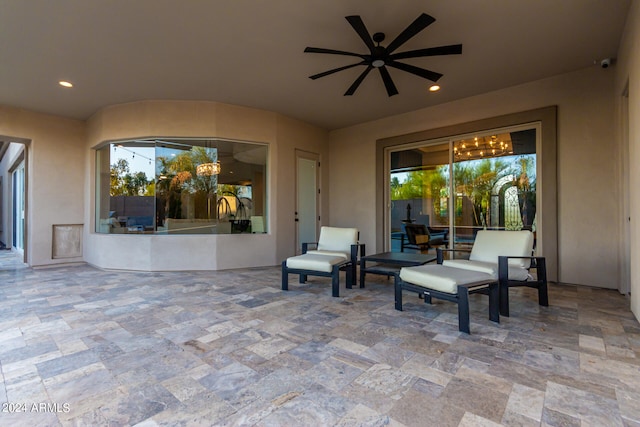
(55, 171)
(588, 201)
(291, 134)
(627, 69)
(203, 119)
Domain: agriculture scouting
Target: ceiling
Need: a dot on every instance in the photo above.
(250, 52)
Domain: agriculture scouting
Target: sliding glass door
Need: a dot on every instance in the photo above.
(419, 191)
(464, 184)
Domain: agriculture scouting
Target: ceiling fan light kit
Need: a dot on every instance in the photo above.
(381, 57)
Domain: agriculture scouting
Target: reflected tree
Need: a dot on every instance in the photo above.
(178, 176)
(474, 181)
(125, 183)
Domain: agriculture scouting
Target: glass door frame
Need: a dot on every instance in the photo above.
(451, 203)
(387, 181)
(19, 208)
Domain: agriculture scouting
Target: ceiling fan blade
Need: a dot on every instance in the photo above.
(361, 29)
(359, 80)
(335, 70)
(388, 83)
(332, 52)
(421, 22)
(453, 49)
(426, 74)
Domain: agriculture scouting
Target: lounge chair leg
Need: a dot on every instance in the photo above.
(504, 300)
(349, 278)
(303, 278)
(354, 273)
(427, 297)
(541, 272)
(543, 295)
(335, 281)
(398, 292)
(494, 302)
(285, 276)
(463, 309)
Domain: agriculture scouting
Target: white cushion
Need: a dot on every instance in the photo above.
(314, 262)
(491, 268)
(337, 240)
(442, 278)
(490, 244)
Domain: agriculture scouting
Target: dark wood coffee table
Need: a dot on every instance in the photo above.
(389, 263)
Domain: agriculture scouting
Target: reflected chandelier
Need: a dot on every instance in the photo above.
(480, 148)
(208, 169)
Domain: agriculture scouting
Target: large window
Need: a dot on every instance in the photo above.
(181, 186)
(463, 184)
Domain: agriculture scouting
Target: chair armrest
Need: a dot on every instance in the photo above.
(442, 233)
(305, 246)
(538, 262)
(440, 253)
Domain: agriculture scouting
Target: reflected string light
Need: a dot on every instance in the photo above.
(133, 153)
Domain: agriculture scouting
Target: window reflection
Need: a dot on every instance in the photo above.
(181, 186)
(458, 187)
(494, 180)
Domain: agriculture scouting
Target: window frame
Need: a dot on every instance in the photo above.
(547, 221)
(252, 170)
(449, 142)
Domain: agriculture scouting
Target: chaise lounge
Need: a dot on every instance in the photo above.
(336, 250)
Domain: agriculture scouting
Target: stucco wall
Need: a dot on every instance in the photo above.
(292, 135)
(55, 176)
(588, 202)
(203, 119)
(627, 73)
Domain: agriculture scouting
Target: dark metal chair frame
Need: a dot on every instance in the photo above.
(540, 283)
(461, 298)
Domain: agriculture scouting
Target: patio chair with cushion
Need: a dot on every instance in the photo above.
(336, 250)
(498, 260)
(506, 256)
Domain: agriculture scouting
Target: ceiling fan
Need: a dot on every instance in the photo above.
(381, 57)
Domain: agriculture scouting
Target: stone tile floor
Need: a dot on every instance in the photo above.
(81, 346)
(10, 260)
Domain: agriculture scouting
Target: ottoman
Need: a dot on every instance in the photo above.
(451, 284)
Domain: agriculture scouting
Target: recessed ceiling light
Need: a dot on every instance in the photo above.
(434, 88)
(65, 83)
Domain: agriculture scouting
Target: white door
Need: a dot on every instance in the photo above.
(306, 216)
